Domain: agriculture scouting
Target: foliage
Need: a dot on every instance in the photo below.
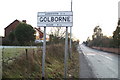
(31, 67)
(57, 35)
(6, 42)
(58, 31)
(55, 39)
(97, 33)
(103, 41)
(25, 34)
(96, 37)
(99, 40)
(11, 36)
(116, 36)
(119, 21)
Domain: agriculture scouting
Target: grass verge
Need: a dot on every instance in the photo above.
(30, 66)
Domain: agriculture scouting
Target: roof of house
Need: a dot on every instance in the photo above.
(12, 23)
(39, 30)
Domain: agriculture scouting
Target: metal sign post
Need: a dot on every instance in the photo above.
(66, 54)
(43, 56)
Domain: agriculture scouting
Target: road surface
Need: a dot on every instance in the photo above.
(85, 71)
(103, 64)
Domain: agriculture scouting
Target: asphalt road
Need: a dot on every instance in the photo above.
(103, 64)
(85, 70)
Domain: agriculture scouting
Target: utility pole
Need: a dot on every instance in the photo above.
(71, 36)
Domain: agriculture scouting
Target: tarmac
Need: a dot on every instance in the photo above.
(85, 71)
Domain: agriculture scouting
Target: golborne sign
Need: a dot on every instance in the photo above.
(55, 19)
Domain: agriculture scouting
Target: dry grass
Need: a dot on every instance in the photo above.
(30, 66)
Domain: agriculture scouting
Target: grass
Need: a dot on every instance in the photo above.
(8, 53)
(73, 66)
(22, 66)
(31, 67)
(11, 52)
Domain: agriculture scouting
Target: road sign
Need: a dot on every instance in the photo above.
(55, 19)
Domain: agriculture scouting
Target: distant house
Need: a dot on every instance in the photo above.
(12, 27)
(14, 24)
(39, 34)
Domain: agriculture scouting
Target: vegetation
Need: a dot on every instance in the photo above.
(25, 34)
(29, 66)
(57, 35)
(9, 53)
(12, 37)
(116, 37)
(99, 40)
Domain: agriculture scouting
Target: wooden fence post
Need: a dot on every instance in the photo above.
(26, 52)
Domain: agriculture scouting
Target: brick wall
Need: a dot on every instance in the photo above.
(11, 27)
(113, 50)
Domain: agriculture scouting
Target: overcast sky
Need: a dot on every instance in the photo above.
(86, 14)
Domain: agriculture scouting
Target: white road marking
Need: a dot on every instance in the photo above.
(106, 57)
(91, 54)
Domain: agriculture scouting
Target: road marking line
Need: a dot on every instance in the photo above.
(106, 57)
(91, 54)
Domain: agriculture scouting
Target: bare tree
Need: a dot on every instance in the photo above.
(58, 31)
(57, 34)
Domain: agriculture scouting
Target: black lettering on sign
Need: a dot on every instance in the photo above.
(68, 19)
(60, 19)
(55, 19)
(52, 19)
(45, 19)
(41, 20)
(64, 19)
(49, 20)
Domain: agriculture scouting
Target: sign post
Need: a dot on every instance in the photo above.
(66, 54)
(43, 56)
(55, 19)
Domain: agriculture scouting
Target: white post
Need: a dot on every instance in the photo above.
(43, 56)
(66, 54)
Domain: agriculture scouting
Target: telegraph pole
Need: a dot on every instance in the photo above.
(71, 36)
